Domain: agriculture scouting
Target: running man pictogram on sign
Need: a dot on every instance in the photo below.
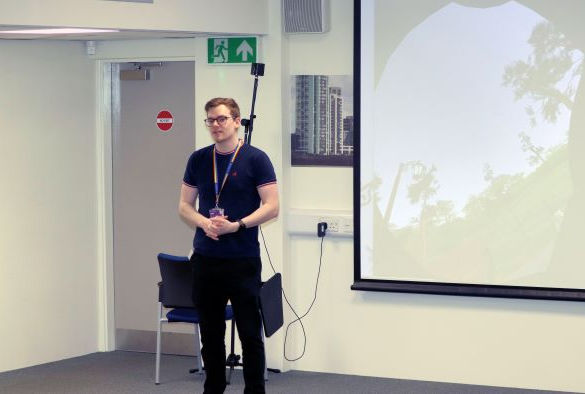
(220, 50)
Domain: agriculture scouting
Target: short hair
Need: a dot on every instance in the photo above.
(230, 103)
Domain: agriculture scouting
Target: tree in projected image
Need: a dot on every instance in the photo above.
(397, 251)
(408, 245)
(523, 212)
(424, 186)
(532, 149)
(369, 197)
(548, 76)
(500, 231)
(511, 224)
(369, 191)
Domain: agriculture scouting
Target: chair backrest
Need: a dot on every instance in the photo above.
(177, 281)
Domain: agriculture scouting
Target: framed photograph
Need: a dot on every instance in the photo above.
(322, 121)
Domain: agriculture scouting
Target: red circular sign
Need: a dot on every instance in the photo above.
(164, 120)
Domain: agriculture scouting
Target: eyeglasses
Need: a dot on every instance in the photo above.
(221, 120)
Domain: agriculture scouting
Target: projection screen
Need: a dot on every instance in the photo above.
(469, 160)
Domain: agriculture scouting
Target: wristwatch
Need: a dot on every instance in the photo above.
(242, 225)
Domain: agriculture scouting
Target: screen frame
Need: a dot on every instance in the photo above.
(402, 286)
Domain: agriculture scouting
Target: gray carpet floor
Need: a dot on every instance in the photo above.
(130, 372)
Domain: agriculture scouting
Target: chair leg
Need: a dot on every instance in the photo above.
(199, 365)
(158, 335)
(264, 342)
(233, 359)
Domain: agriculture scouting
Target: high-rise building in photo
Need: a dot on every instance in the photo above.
(347, 141)
(335, 130)
(311, 114)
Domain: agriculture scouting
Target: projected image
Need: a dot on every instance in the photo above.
(471, 119)
(322, 125)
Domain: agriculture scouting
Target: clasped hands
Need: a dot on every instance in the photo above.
(219, 225)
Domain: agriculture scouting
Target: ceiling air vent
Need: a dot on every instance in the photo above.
(305, 16)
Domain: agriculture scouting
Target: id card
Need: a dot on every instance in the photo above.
(213, 212)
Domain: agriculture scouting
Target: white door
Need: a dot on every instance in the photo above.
(148, 166)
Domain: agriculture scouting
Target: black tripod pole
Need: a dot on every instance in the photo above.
(233, 359)
(257, 71)
(248, 132)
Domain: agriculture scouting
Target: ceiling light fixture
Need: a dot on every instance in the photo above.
(58, 31)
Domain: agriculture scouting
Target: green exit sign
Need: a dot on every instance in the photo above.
(230, 50)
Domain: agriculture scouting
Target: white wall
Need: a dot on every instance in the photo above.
(48, 264)
(500, 342)
(173, 15)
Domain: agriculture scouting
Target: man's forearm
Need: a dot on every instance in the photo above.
(190, 216)
(263, 214)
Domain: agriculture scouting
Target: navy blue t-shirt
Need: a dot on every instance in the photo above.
(239, 198)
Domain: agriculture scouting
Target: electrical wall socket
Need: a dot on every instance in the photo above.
(304, 222)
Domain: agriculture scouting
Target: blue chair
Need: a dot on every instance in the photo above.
(175, 291)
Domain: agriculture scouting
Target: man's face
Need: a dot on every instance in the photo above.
(225, 131)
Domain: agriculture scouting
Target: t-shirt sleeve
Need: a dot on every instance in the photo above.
(190, 178)
(264, 174)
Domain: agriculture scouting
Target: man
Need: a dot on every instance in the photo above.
(237, 191)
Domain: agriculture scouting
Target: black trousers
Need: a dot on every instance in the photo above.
(216, 281)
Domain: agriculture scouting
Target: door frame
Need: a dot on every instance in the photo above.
(108, 91)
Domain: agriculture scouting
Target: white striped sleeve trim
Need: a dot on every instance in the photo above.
(265, 184)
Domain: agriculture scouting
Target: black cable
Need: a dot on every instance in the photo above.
(299, 319)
